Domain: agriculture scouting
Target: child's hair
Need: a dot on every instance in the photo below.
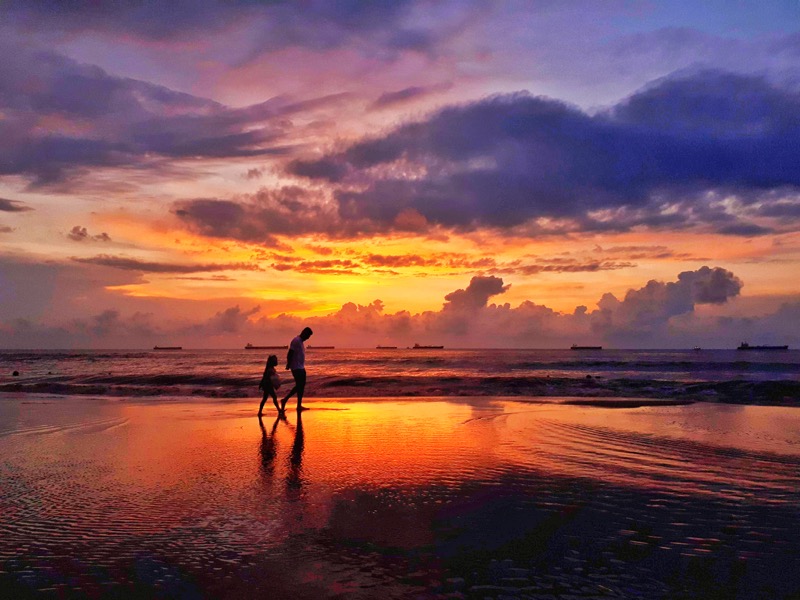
(272, 360)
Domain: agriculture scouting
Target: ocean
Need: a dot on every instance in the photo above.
(729, 375)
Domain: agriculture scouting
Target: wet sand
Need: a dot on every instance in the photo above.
(398, 498)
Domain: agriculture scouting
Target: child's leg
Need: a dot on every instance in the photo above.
(263, 401)
(275, 400)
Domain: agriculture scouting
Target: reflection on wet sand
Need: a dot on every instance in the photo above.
(395, 498)
(268, 447)
(294, 479)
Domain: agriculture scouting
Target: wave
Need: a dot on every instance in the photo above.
(664, 365)
(784, 393)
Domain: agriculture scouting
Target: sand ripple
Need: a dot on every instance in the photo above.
(197, 501)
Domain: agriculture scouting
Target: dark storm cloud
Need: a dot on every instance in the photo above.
(7, 205)
(94, 119)
(132, 264)
(508, 159)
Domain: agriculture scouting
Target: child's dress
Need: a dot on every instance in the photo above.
(273, 377)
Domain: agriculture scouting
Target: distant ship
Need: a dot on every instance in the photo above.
(576, 347)
(746, 346)
(386, 347)
(322, 347)
(419, 347)
(697, 348)
(251, 347)
(167, 347)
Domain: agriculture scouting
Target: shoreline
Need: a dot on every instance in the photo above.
(589, 388)
(620, 402)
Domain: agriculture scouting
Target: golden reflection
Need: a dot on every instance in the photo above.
(419, 443)
(160, 465)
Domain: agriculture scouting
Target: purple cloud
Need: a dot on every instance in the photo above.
(476, 295)
(507, 160)
(315, 25)
(7, 205)
(407, 95)
(122, 122)
(132, 264)
(81, 234)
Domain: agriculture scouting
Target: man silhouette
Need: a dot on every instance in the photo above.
(296, 362)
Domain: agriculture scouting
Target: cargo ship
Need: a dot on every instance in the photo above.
(746, 346)
(167, 347)
(419, 347)
(321, 347)
(576, 347)
(251, 347)
(386, 347)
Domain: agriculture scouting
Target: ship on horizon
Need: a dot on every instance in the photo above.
(386, 347)
(577, 347)
(746, 346)
(425, 347)
(167, 347)
(249, 346)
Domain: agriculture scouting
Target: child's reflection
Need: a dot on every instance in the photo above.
(269, 446)
(269, 449)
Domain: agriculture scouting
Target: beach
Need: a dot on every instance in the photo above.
(425, 497)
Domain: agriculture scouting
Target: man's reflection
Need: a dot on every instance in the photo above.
(294, 477)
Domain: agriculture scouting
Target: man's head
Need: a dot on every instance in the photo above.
(306, 333)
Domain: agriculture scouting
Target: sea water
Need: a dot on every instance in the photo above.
(402, 371)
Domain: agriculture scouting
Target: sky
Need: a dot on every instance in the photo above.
(524, 174)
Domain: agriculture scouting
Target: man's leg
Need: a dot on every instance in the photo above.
(300, 384)
(288, 395)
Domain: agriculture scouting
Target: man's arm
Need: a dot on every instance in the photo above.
(289, 356)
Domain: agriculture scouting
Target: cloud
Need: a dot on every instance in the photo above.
(7, 205)
(133, 264)
(80, 234)
(408, 94)
(563, 266)
(262, 216)
(150, 20)
(61, 117)
(476, 295)
(6, 229)
(745, 230)
(658, 314)
(231, 320)
(511, 160)
(644, 313)
(317, 266)
(261, 26)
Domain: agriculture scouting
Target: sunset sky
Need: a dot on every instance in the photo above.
(472, 173)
